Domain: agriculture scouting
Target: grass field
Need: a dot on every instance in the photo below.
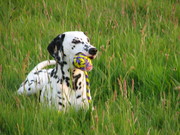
(135, 83)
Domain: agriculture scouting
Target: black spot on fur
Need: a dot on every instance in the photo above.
(61, 98)
(52, 72)
(80, 83)
(25, 81)
(76, 78)
(58, 81)
(58, 92)
(76, 41)
(61, 63)
(36, 73)
(78, 96)
(64, 62)
(68, 84)
(61, 104)
(29, 89)
(67, 78)
(73, 47)
(67, 81)
(63, 72)
(55, 76)
(86, 47)
(73, 72)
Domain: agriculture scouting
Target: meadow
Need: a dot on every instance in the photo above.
(135, 82)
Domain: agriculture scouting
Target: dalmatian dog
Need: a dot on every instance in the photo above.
(64, 85)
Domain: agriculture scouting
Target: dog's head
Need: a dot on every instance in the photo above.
(68, 44)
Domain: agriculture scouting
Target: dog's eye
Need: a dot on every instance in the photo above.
(75, 41)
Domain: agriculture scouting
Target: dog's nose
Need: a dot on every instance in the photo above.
(92, 51)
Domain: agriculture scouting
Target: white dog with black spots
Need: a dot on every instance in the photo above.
(64, 85)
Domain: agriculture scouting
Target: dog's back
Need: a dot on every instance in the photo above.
(38, 76)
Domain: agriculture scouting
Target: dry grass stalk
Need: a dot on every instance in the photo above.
(125, 88)
(143, 36)
(25, 63)
(134, 15)
(45, 10)
(120, 85)
(0, 72)
(115, 95)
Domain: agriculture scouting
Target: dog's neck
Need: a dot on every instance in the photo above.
(62, 69)
(65, 72)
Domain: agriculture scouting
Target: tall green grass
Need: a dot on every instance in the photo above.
(136, 77)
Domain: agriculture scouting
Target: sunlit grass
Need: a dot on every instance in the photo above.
(136, 76)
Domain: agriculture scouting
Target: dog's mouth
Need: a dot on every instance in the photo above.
(92, 57)
(89, 56)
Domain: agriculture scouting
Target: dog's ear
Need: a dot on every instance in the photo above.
(56, 45)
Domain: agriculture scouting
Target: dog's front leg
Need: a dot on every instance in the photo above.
(79, 86)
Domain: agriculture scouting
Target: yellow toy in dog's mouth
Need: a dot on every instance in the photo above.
(83, 62)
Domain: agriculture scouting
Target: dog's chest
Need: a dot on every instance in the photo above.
(68, 88)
